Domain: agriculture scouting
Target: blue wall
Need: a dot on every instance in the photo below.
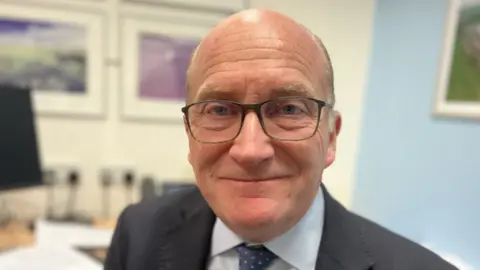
(416, 175)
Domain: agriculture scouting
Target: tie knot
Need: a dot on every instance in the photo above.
(254, 257)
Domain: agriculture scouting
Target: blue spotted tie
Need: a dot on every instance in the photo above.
(254, 257)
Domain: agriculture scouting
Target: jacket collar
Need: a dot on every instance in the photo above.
(185, 243)
(343, 244)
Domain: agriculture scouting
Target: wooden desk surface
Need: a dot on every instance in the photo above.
(16, 234)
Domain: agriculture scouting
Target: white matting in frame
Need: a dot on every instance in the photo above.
(458, 92)
(58, 53)
(155, 59)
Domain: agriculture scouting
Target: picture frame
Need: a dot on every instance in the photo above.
(57, 52)
(155, 58)
(206, 6)
(458, 89)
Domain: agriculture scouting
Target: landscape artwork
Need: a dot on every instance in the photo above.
(43, 55)
(459, 92)
(163, 65)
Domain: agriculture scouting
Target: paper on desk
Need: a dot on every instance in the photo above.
(72, 235)
(47, 258)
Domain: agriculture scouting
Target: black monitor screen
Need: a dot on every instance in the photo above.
(19, 158)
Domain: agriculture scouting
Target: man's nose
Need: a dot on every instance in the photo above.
(252, 147)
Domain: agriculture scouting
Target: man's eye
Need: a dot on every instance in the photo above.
(286, 108)
(291, 109)
(219, 110)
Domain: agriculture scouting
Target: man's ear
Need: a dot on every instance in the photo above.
(335, 125)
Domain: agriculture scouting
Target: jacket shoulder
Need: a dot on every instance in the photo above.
(137, 222)
(168, 204)
(155, 215)
(391, 249)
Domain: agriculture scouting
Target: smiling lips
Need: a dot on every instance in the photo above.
(263, 179)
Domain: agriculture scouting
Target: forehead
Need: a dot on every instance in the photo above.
(253, 87)
(259, 60)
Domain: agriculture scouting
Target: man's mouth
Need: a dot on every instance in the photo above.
(255, 179)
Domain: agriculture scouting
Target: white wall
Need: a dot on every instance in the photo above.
(345, 27)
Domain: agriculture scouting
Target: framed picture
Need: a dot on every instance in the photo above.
(212, 6)
(57, 53)
(458, 92)
(156, 56)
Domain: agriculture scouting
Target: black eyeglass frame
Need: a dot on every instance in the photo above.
(257, 108)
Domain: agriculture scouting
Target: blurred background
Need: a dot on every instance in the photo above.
(92, 121)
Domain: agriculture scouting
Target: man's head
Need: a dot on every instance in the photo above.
(260, 167)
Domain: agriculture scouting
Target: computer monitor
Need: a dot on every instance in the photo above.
(20, 165)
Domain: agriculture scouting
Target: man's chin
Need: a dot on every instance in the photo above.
(253, 227)
(253, 217)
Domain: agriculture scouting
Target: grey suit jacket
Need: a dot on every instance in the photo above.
(174, 233)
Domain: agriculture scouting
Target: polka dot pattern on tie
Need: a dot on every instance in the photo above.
(254, 257)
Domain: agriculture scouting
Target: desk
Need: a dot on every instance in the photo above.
(16, 234)
(19, 234)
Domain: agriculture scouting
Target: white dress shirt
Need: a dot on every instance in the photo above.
(297, 249)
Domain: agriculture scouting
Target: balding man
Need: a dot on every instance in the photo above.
(262, 128)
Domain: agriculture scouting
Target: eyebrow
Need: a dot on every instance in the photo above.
(218, 93)
(215, 93)
(294, 89)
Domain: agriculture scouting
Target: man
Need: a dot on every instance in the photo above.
(262, 129)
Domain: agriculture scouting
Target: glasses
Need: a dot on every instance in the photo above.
(285, 119)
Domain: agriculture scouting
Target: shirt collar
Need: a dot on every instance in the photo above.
(298, 247)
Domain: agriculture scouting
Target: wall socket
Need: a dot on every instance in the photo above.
(117, 175)
(61, 174)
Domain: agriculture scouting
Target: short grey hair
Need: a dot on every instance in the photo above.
(330, 84)
(329, 78)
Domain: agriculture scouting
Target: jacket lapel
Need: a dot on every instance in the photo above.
(191, 242)
(185, 244)
(343, 244)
